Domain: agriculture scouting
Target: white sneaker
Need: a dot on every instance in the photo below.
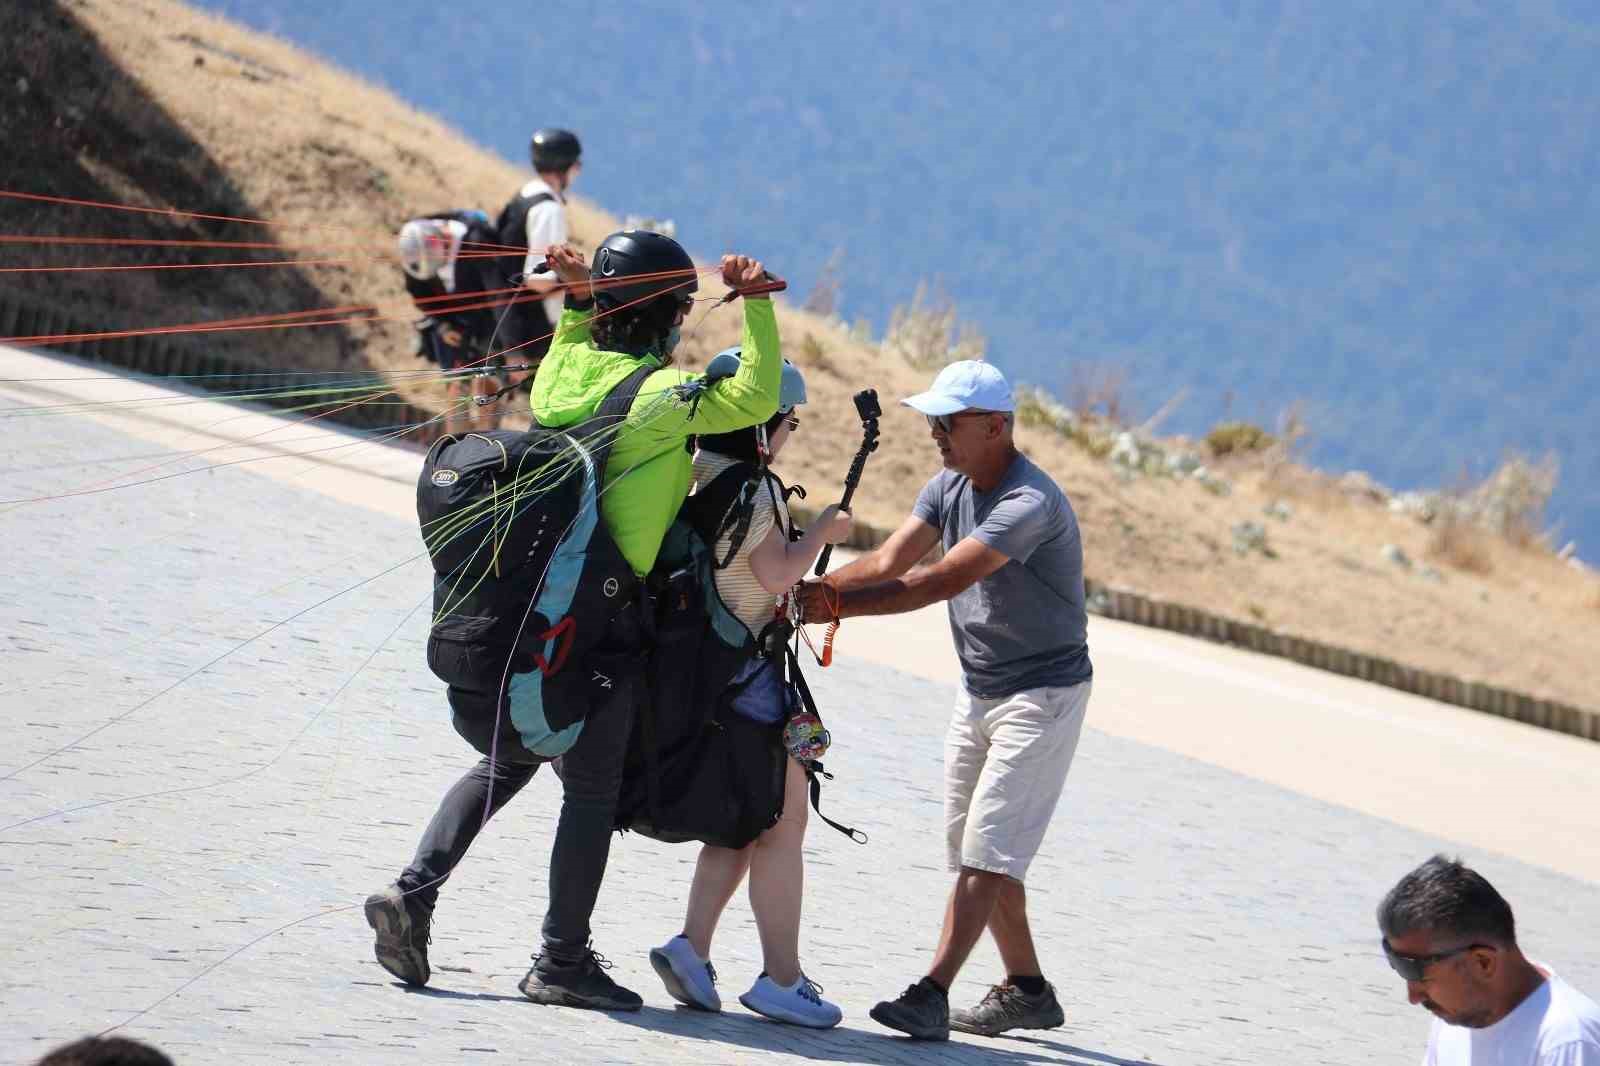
(799, 1004)
(689, 979)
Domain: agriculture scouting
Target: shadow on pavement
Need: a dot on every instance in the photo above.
(1099, 1058)
(445, 993)
(846, 1044)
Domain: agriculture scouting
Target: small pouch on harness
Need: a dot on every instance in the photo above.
(761, 694)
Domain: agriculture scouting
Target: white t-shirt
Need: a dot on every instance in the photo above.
(737, 583)
(547, 225)
(1555, 1026)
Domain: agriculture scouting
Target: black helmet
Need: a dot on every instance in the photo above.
(635, 252)
(554, 149)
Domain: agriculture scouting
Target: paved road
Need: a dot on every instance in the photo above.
(1188, 913)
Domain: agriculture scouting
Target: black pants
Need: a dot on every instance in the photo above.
(591, 777)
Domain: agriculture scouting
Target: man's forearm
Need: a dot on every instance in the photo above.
(869, 569)
(915, 590)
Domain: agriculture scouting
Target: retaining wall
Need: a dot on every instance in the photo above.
(1126, 606)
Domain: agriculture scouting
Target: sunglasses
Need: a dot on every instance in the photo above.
(791, 420)
(1415, 967)
(947, 423)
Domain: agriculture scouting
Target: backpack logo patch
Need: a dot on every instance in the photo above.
(610, 588)
(443, 479)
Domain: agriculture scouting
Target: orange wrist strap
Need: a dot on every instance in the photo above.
(833, 626)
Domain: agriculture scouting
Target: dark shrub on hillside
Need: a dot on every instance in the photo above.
(1228, 438)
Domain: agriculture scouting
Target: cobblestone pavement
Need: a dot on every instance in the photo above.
(1187, 915)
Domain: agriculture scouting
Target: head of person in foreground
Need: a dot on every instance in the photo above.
(1452, 938)
(105, 1051)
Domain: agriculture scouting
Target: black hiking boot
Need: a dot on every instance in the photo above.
(580, 984)
(922, 1011)
(404, 929)
(1009, 1007)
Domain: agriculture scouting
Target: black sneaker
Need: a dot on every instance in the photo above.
(581, 984)
(404, 929)
(1009, 1007)
(922, 1011)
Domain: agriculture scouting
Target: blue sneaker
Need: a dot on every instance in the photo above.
(798, 1004)
(690, 979)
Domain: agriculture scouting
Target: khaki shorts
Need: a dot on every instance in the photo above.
(1005, 763)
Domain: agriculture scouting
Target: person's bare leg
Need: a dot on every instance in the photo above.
(966, 916)
(454, 420)
(483, 416)
(495, 410)
(777, 882)
(717, 874)
(1008, 924)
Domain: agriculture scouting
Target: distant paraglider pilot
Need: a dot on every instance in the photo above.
(454, 333)
(531, 221)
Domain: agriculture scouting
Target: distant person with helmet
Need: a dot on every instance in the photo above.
(531, 221)
(754, 572)
(627, 321)
(434, 268)
(1012, 577)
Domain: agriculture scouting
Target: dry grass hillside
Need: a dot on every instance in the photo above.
(151, 102)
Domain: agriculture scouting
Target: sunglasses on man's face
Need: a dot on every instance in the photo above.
(946, 424)
(1415, 967)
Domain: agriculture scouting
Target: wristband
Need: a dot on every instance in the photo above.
(834, 604)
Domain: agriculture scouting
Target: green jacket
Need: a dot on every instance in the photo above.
(650, 467)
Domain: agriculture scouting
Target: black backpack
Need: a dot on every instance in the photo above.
(526, 319)
(696, 768)
(527, 578)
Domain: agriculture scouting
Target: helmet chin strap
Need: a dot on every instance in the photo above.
(764, 442)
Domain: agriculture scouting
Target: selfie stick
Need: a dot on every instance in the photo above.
(867, 407)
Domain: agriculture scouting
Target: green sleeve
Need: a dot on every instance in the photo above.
(750, 396)
(575, 327)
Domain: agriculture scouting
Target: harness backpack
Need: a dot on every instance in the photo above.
(697, 768)
(527, 579)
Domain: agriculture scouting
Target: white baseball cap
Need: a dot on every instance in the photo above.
(970, 385)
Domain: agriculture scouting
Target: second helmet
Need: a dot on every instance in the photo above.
(554, 149)
(792, 386)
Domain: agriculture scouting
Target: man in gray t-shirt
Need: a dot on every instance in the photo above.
(1022, 626)
(1012, 574)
